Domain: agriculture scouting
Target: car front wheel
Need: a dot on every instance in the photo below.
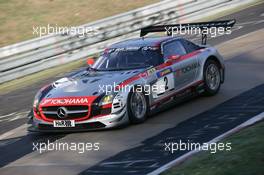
(137, 107)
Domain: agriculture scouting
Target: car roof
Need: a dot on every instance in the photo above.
(142, 42)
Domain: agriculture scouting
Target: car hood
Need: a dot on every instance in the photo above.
(88, 83)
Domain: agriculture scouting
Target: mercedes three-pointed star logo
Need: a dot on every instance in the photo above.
(62, 112)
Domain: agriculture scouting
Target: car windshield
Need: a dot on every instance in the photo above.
(128, 58)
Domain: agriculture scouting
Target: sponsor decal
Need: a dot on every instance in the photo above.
(186, 69)
(178, 72)
(164, 72)
(66, 101)
(151, 71)
(190, 67)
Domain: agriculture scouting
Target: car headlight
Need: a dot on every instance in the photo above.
(40, 93)
(107, 99)
(36, 100)
(35, 103)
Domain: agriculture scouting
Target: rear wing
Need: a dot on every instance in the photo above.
(202, 26)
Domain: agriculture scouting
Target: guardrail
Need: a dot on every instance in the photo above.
(52, 50)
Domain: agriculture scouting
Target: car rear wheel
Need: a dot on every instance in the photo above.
(137, 107)
(212, 78)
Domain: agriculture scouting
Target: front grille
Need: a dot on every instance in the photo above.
(73, 112)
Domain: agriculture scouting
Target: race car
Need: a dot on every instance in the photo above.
(128, 81)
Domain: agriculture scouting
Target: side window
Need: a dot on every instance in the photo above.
(189, 46)
(173, 48)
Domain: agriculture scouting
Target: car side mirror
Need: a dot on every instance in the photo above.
(172, 57)
(90, 61)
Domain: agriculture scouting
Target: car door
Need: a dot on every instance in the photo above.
(184, 67)
(165, 80)
(192, 53)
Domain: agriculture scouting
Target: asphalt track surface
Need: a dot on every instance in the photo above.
(139, 149)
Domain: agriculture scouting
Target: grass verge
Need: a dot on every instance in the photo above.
(245, 158)
(17, 17)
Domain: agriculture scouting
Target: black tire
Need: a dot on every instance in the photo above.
(131, 113)
(212, 83)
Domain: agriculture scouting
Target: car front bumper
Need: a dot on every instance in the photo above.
(97, 123)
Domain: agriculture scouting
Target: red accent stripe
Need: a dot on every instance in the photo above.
(182, 58)
(107, 106)
(130, 80)
(164, 65)
(189, 55)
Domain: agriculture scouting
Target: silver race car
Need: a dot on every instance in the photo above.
(129, 80)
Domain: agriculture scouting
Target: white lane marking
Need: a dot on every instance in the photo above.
(259, 22)
(7, 115)
(182, 158)
(13, 131)
(14, 116)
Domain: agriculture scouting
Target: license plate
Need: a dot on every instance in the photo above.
(63, 123)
